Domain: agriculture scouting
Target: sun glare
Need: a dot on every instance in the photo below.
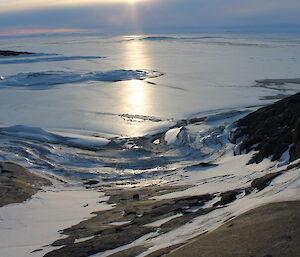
(136, 95)
(132, 2)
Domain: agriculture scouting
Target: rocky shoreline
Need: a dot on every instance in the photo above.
(135, 209)
(269, 132)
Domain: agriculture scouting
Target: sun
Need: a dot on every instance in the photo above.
(134, 1)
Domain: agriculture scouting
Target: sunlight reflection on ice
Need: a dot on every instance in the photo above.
(136, 94)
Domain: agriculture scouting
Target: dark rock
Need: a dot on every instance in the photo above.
(249, 142)
(196, 120)
(136, 197)
(100, 244)
(12, 53)
(294, 165)
(271, 129)
(279, 150)
(204, 164)
(128, 213)
(139, 213)
(295, 150)
(248, 190)
(228, 197)
(64, 241)
(17, 184)
(37, 250)
(263, 182)
(91, 182)
(196, 200)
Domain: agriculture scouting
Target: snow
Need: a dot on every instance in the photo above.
(35, 223)
(104, 105)
(121, 248)
(158, 223)
(283, 188)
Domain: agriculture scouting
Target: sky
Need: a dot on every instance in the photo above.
(19, 17)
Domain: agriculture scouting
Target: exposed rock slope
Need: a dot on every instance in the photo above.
(271, 130)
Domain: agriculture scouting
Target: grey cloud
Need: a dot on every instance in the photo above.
(157, 15)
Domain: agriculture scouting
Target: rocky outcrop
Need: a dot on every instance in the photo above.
(268, 231)
(295, 149)
(137, 216)
(262, 182)
(271, 130)
(18, 184)
(12, 53)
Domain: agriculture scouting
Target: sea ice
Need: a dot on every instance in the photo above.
(44, 80)
(49, 59)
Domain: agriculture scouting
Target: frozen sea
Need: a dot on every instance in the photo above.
(132, 107)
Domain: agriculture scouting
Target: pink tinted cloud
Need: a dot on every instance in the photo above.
(19, 32)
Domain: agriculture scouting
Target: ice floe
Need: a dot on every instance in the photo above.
(43, 136)
(46, 79)
(161, 38)
(48, 59)
(81, 155)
